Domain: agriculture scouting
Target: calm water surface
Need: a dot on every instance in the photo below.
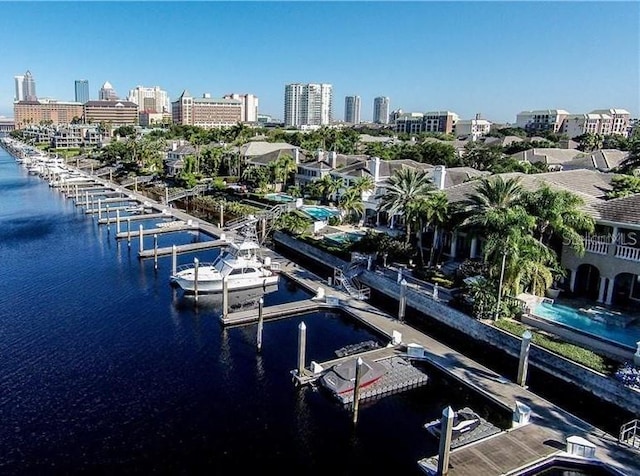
(106, 368)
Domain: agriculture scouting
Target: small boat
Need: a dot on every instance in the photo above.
(464, 421)
(238, 264)
(356, 348)
(341, 378)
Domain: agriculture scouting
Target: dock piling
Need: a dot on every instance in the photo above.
(99, 209)
(117, 222)
(86, 200)
(155, 251)
(221, 215)
(108, 219)
(141, 237)
(302, 343)
(260, 324)
(446, 428)
(129, 232)
(174, 259)
(523, 363)
(402, 304)
(195, 278)
(225, 297)
(356, 390)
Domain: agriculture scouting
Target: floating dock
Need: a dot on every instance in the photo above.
(168, 250)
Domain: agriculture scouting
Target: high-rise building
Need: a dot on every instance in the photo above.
(29, 87)
(82, 90)
(249, 112)
(25, 87)
(352, 109)
(28, 113)
(19, 93)
(107, 93)
(381, 110)
(206, 111)
(150, 99)
(308, 104)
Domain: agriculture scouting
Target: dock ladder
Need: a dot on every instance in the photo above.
(630, 433)
(347, 278)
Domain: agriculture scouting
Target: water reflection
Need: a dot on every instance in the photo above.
(212, 302)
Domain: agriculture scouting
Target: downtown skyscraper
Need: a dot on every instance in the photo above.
(82, 90)
(308, 104)
(25, 87)
(352, 109)
(381, 110)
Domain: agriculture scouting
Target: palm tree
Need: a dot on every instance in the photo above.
(403, 192)
(351, 203)
(495, 206)
(558, 213)
(436, 213)
(330, 186)
(364, 184)
(283, 167)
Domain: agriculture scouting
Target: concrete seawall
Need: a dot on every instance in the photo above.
(598, 384)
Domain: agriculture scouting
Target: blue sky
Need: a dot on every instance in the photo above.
(493, 58)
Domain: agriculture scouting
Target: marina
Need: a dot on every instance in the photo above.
(548, 423)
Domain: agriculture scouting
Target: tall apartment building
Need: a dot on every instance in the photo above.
(249, 103)
(440, 121)
(25, 87)
(619, 119)
(53, 112)
(381, 110)
(82, 90)
(541, 120)
(206, 112)
(149, 99)
(107, 93)
(352, 109)
(575, 125)
(308, 104)
(114, 113)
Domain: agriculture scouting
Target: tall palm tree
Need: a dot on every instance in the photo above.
(403, 193)
(330, 186)
(436, 213)
(351, 203)
(364, 184)
(558, 213)
(495, 205)
(283, 167)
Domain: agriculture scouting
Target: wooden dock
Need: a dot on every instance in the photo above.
(274, 312)
(153, 231)
(141, 216)
(168, 250)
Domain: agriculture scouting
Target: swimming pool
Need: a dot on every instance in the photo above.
(344, 237)
(320, 213)
(594, 323)
(279, 197)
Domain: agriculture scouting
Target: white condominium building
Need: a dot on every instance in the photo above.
(541, 120)
(472, 128)
(619, 119)
(150, 99)
(308, 104)
(249, 110)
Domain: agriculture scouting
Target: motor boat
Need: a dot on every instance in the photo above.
(341, 378)
(239, 264)
(464, 421)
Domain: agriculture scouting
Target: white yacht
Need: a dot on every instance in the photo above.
(238, 264)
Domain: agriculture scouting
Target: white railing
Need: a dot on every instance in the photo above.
(628, 252)
(595, 246)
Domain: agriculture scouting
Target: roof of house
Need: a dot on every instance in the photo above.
(269, 157)
(589, 185)
(255, 148)
(620, 210)
(184, 149)
(607, 159)
(502, 141)
(457, 175)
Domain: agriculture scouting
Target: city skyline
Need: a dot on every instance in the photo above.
(496, 59)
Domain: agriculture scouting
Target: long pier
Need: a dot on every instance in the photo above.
(168, 250)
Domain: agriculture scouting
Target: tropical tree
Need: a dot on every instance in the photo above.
(282, 168)
(623, 186)
(364, 184)
(329, 186)
(403, 193)
(434, 212)
(351, 203)
(293, 222)
(632, 162)
(558, 213)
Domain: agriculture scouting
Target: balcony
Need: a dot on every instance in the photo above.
(597, 247)
(628, 253)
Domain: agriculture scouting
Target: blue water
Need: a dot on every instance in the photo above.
(319, 213)
(571, 317)
(105, 368)
(279, 197)
(342, 238)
